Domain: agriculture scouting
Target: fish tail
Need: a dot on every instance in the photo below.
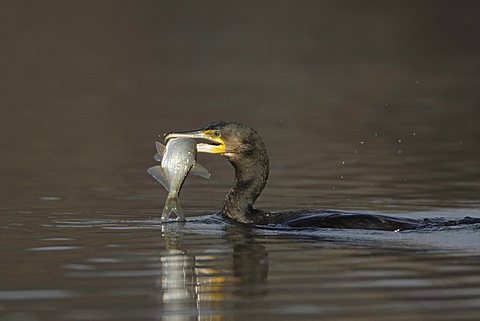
(172, 205)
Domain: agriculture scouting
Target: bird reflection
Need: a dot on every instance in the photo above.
(202, 286)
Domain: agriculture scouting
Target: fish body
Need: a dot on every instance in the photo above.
(177, 159)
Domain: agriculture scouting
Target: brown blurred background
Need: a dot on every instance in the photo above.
(391, 88)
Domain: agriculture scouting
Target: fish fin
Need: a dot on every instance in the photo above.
(172, 205)
(199, 170)
(160, 148)
(158, 157)
(159, 175)
(160, 151)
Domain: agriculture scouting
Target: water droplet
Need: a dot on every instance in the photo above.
(414, 134)
(333, 187)
(50, 198)
(405, 180)
(355, 151)
(386, 105)
(460, 142)
(341, 176)
(399, 152)
(399, 141)
(362, 142)
(343, 162)
(375, 134)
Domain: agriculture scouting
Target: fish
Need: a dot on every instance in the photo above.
(177, 160)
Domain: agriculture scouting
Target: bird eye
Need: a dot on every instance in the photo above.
(216, 133)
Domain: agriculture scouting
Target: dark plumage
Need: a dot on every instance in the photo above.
(246, 152)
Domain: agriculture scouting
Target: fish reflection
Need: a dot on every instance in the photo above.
(177, 280)
(202, 286)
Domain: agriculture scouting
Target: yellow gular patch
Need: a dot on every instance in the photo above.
(214, 136)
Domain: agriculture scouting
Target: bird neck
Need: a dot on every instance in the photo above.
(251, 175)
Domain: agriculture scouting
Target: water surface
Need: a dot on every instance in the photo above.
(369, 107)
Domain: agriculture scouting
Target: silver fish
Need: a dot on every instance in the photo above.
(177, 159)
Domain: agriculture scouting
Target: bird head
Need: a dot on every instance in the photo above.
(230, 139)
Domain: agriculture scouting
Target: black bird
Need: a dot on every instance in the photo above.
(245, 150)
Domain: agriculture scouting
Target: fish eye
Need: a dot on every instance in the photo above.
(216, 133)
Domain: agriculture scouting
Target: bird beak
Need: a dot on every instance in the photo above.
(208, 142)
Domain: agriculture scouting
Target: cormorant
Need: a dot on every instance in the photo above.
(245, 150)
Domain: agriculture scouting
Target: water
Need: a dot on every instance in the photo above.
(368, 107)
